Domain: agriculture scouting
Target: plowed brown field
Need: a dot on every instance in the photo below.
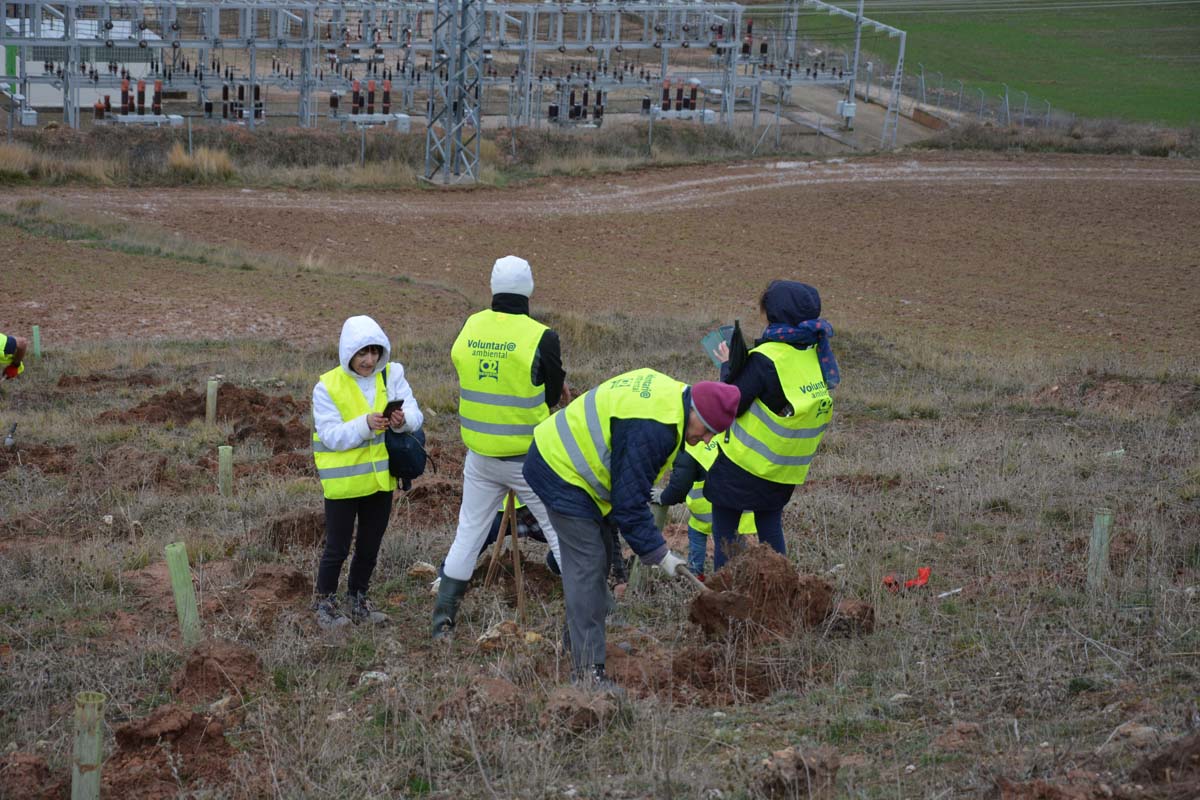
(990, 249)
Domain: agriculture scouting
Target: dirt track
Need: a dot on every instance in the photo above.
(985, 248)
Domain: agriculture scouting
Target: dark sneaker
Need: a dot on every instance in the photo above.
(362, 610)
(595, 679)
(329, 616)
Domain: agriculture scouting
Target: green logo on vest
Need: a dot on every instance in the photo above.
(489, 368)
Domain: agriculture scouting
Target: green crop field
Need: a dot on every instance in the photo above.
(1133, 62)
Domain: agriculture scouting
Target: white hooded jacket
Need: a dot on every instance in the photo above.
(341, 434)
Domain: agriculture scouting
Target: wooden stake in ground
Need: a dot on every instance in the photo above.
(89, 746)
(508, 524)
(210, 404)
(37, 341)
(185, 593)
(225, 470)
(1098, 549)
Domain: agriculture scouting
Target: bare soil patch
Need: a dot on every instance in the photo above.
(216, 668)
(491, 702)
(50, 460)
(1088, 229)
(274, 420)
(97, 381)
(759, 590)
(299, 529)
(26, 776)
(171, 745)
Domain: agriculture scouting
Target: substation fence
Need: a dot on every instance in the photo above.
(955, 102)
(451, 62)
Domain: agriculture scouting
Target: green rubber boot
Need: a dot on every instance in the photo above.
(450, 594)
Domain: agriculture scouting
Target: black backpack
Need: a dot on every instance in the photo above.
(406, 451)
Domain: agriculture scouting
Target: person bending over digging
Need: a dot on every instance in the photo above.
(784, 410)
(12, 355)
(348, 404)
(594, 463)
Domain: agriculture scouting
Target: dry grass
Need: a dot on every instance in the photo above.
(21, 164)
(204, 166)
(937, 458)
(326, 159)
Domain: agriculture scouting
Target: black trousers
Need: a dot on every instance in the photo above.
(372, 512)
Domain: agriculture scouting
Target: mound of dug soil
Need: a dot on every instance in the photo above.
(577, 710)
(299, 529)
(26, 776)
(98, 380)
(216, 668)
(50, 460)
(766, 596)
(495, 702)
(152, 751)
(276, 421)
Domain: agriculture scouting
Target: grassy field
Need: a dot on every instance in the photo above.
(1134, 63)
(986, 468)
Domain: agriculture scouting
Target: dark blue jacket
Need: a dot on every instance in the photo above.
(685, 472)
(727, 484)
(640, 448)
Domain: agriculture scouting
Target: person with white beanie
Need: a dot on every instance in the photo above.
(510, 375)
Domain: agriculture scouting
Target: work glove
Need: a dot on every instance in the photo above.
(12, 371)
(656, 495)
(670, 564)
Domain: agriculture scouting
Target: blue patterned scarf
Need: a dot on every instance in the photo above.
(813, 331)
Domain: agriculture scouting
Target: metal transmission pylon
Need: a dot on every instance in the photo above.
(891, 119)
(452, 133)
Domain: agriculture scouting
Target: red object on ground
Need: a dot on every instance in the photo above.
(892, 583)
(922, 578)
(12, 371)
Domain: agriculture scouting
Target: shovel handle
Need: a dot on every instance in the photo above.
(687, 573)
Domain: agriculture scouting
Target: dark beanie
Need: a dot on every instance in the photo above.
(791, 302)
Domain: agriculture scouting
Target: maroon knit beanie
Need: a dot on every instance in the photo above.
(716, 403)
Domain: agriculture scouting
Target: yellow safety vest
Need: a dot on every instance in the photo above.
(5, 358)
(699, 506)
(576, 441)
(498, 405)
(777, 448)
(361, 470)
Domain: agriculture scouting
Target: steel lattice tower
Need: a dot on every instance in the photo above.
(452, 135)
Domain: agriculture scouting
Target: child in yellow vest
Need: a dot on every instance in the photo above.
(687, 486)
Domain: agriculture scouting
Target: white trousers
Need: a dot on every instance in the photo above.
(486, 481)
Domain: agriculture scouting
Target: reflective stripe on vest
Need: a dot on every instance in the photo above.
(361, 470)
(498, 405)
(576, 441)
(701, 509)
(777, 448)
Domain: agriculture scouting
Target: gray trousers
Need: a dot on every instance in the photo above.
(586, 551)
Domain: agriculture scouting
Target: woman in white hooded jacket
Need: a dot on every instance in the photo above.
(349, 404)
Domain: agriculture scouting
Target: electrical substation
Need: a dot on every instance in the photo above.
(458, 65)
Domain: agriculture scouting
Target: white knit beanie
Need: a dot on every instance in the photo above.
(512, 275)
